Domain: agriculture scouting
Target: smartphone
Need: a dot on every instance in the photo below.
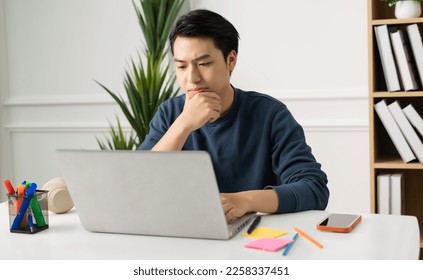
(339, 222)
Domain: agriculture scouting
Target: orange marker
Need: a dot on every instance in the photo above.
(306, 236)
(21, 194)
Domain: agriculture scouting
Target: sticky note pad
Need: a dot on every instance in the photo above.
(268, 244)
(262, 232)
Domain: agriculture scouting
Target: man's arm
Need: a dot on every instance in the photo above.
(174, 138)
(237, 204)
(302, 184)
(198, 110)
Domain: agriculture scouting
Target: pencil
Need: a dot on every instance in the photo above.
(306, 236)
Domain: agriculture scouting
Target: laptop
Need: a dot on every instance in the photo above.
(148, 193)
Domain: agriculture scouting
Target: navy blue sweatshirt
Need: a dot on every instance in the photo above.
(256, 145)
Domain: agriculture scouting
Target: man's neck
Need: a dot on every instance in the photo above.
(227, 99)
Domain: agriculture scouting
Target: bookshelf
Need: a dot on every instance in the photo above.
(384, 157)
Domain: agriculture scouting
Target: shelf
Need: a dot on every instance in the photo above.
(397, 21)
(387, 94)
(384, 157)
(396, 164)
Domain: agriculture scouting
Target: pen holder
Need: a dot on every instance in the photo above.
(28, 214)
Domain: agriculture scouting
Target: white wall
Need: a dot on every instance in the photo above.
(310, 54)
(3, 90)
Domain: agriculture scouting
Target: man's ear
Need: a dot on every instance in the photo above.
(232, 57)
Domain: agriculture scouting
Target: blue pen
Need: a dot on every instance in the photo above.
(30, 223)
(288, 247)
(24, 206)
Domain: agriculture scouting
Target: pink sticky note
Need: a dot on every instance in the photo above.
(268, 244)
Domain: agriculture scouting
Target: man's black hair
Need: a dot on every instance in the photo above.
(205, 23)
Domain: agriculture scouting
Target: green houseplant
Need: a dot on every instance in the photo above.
(393, 2)
(149, 81)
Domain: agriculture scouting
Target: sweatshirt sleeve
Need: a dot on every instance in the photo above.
(303, 185)
(158, 127)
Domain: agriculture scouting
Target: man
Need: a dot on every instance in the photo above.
(260, 156)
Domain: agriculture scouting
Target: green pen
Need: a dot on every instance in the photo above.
(36, 210)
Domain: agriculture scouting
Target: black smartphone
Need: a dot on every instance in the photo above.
(339, 222)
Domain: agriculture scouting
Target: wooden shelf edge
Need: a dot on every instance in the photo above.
(387, 94)
(396, 164)
(396, 21)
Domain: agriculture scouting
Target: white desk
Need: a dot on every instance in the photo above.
(376, 237)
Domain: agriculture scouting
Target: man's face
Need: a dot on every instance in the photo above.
(200, 66)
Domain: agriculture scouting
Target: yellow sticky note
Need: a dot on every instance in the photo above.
(263, 232)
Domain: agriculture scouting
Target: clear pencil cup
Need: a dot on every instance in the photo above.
(28, 214)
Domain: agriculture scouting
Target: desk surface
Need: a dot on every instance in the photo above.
(376, 237)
